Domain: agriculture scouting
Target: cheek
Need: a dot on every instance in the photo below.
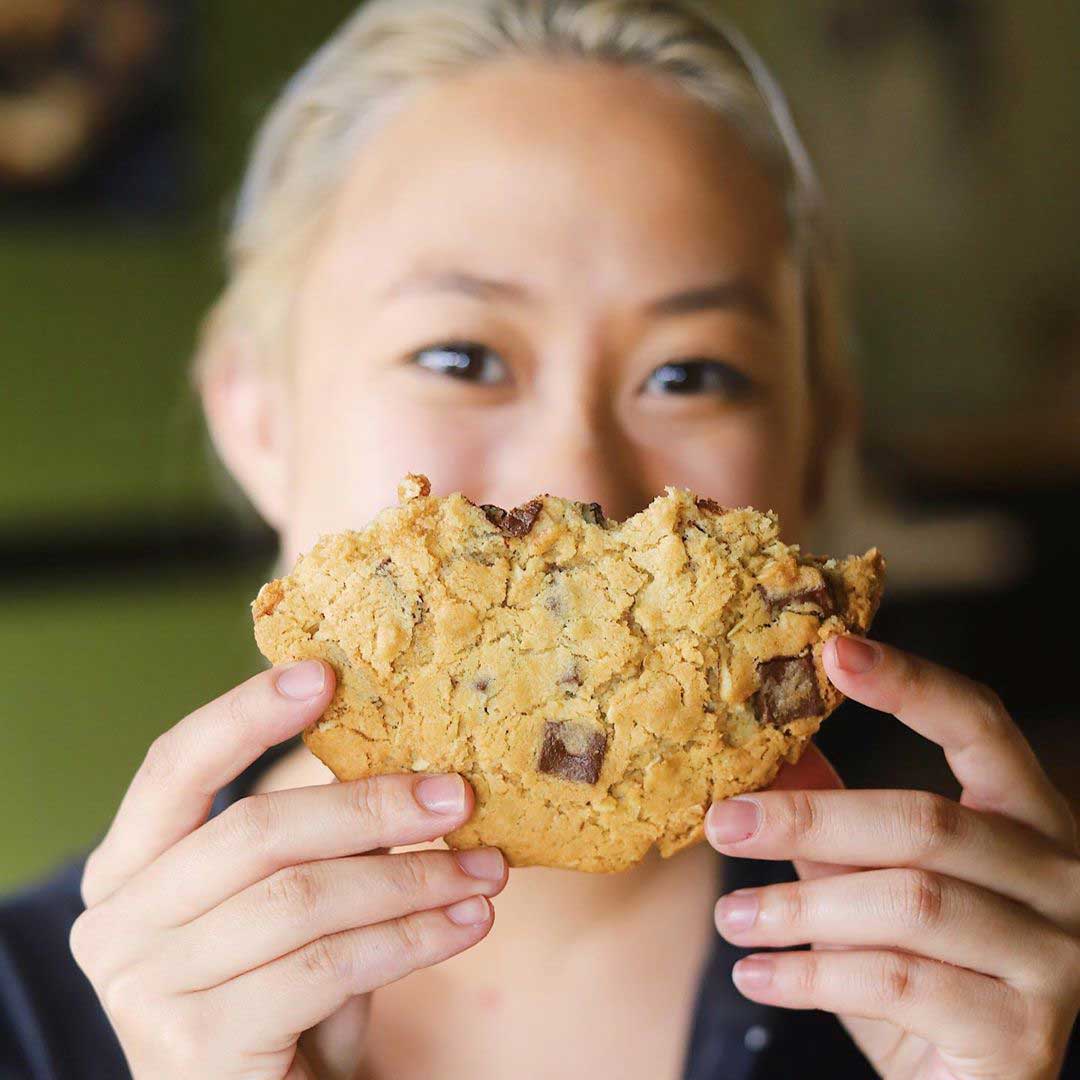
(354, 444)
(755, 462)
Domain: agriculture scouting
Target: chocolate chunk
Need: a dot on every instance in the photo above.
(789, 690)
(710, 506)
(593, 513)
(516, 522)
(572, 751)
(819, 596)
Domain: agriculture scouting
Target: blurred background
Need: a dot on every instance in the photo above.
(948, 135)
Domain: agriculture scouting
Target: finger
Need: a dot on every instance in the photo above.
(985, 749)
(902, 829)
(813, 771)
(930, 914)
(264, 833)
(172, 791)
(295, 906)
(956, 1010)
(296, 992)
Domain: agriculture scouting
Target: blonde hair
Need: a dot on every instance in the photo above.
(391, 47)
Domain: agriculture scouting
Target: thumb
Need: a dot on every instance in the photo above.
(812, 772)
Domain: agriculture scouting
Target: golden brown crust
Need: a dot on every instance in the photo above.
(599, 683)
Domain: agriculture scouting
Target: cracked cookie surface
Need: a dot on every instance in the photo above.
(599, 683)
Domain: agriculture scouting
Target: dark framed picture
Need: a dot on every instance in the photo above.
(92, 106)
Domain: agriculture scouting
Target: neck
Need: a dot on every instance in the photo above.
(565, 924)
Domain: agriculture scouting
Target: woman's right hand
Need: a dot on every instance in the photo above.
(214, 945)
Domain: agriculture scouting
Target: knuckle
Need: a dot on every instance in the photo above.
(368, 800)
(410, 875)
(237, 708)
(412, 938)
(182, 1048)
(808, 976)
(794, 906)
(179, 1032)
(83, 940)
(252, 821)
(897, 979)
(990, 715)
(182, 1037)
(87, 890)
(125, 996)
(804, 819)
(161, 760)
(913, 676)
(918, 899)
(990, 700)
(294, 892)
(326, 959)
(931, 821)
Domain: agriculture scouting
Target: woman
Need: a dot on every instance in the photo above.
(571, 246)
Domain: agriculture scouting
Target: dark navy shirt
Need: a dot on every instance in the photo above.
(52, 1026)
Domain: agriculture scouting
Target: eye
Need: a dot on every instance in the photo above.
(700, 377)
(462, 360)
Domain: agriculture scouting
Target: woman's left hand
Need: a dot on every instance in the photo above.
(946, 935)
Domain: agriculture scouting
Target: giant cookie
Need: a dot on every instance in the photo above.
(599, 683)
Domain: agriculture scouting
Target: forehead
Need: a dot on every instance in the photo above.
(560, 174)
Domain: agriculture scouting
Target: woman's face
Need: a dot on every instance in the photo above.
(549, 278)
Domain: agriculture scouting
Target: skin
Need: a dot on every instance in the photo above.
(946, 934)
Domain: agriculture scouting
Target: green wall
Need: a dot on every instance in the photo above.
(98, 321)
(98, 432)
(92, 674)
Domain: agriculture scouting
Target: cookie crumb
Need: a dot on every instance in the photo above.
(413, 486)
(270, 595)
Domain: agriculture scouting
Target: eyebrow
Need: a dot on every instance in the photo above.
(739, 293)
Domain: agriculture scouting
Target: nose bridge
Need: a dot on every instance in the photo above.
(580, 449)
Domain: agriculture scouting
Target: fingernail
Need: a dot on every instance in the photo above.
(856, 655)
(442, 794)
(472, 912)
(737, 910)
(732, 820)
(486, 863)
(302, 680)
(753, 973)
